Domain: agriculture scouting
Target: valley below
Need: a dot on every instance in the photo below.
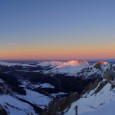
(74, 87)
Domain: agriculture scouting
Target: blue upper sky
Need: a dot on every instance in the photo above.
(57, 26)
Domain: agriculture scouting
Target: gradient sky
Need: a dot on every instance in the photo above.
(57, 29)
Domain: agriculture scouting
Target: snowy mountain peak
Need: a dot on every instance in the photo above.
(73, 63)
(103, 63)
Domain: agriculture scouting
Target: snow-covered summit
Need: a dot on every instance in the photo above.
(60, 64)
(73, 63)
(102, 63)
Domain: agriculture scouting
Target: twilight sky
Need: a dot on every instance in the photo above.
(57, 29)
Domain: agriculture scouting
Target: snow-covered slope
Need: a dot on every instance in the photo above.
(97, 69)
(15, 100)
(100, 103)
(36, 98)
(14, 106)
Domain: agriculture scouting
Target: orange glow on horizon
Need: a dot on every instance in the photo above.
(57, 55)
(61, 51)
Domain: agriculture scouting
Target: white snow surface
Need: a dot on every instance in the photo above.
(46, 85)
(14, 106)
(36, 98)
(101, 103)
(38, 85)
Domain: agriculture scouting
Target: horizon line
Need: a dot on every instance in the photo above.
(90, 59)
